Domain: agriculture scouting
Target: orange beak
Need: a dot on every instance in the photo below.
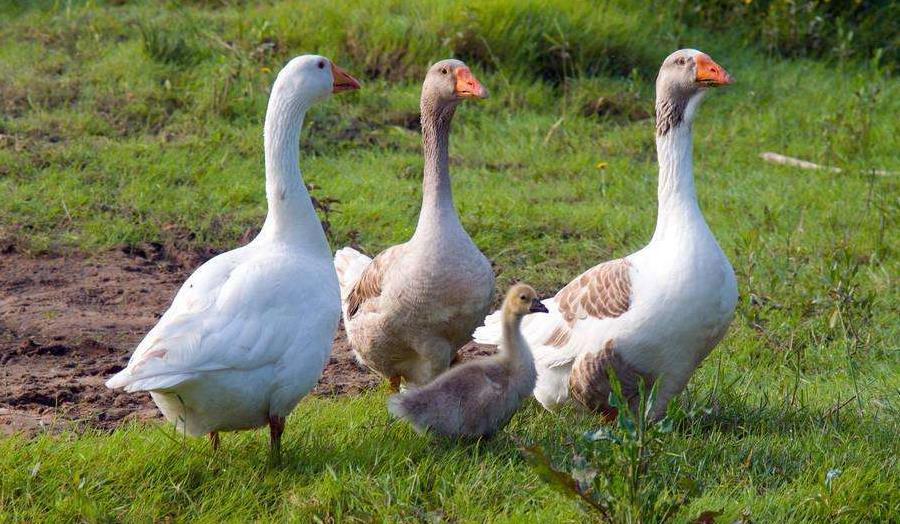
(342, 80)
(467, 86)
(710, 73)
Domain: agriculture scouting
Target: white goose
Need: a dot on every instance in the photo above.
(656, 313)
(250, 331)
(409, 310)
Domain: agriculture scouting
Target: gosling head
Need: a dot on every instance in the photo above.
(312, 78)
(683, 79)
(521, 300)
(449, 82)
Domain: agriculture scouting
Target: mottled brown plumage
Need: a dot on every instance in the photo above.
(589, 381)
(601, 292)
(559, 337)
(369, 284)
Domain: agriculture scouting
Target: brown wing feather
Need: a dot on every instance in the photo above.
(589, 380)
(559, 337)
(601, 292)
(369, 284)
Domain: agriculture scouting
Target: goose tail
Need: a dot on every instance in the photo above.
(349, 264)
(491, 331)
(412, 406)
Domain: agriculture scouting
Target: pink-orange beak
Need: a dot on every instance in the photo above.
(467, 86)
(710, 73)
(342, 80)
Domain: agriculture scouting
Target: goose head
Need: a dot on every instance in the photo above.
(307, 79)
(684, 77)
(521, 300)
(449, 82)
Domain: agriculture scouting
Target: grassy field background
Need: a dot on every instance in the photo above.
(127, 122)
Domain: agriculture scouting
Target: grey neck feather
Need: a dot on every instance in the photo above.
(669, 113)
(291, 216)
(437, 193)
(677, 199)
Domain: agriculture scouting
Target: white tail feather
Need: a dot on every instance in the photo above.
(396, 408)
(537, 328)
(349, 264)
(119, 380)
(491, 332)
(158, 383)
(131, 383)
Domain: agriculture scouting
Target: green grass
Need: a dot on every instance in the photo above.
(126, 124)
(345, 460)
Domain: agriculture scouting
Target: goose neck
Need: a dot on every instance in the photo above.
(437, 192)
(514, 347)
(291, 216)
(677, 198)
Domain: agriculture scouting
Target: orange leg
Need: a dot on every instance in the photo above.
(276, 429)
(394, 383)
(609, 414)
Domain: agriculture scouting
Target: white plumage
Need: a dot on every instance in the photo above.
(656, 313)
(250, 331)
(350, 265)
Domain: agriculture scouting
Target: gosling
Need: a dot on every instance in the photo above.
(478, 398)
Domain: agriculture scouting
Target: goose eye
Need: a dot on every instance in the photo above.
(523, 297)
(321, 64)
(443, 70)
(680, 61)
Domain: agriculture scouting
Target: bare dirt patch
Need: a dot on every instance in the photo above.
(69, 322)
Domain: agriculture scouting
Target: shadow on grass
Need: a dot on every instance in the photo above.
(741, 419)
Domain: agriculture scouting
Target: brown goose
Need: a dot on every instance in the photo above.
(409, 310)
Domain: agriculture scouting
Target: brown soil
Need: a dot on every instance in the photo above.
(69, 322)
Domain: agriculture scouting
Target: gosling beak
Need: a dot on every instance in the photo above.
(537, 306)
(467, 86)
(342, 80)
(711, 74)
